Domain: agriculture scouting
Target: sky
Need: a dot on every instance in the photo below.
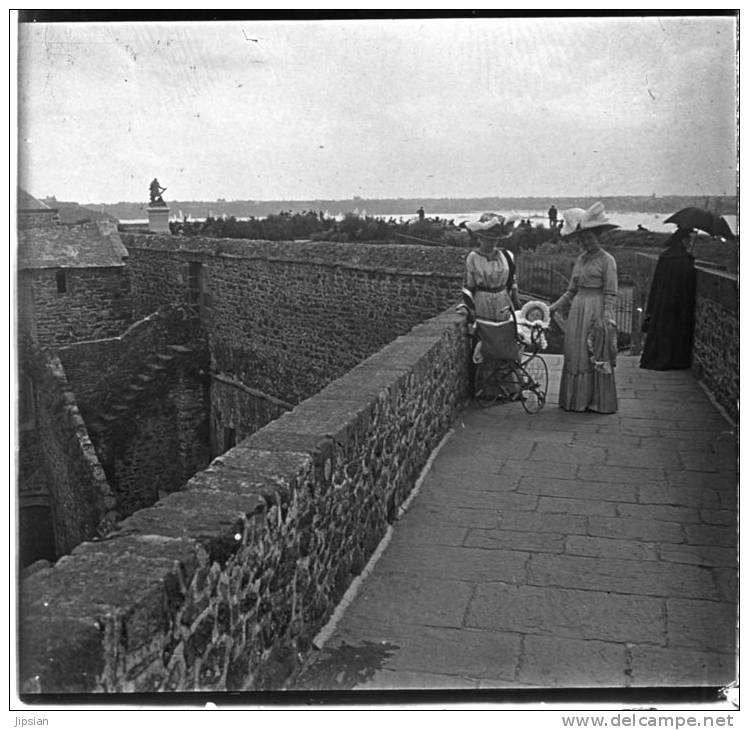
(418, 108)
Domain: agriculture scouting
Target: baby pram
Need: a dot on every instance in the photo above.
(508, 367)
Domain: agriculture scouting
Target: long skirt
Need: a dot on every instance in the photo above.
(583, 388)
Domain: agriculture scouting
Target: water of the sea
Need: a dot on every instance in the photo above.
(627, 221)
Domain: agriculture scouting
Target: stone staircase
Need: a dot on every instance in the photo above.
(143, 382)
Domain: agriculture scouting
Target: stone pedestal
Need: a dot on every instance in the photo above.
(158, 219)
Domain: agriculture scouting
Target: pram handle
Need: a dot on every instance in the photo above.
(537, 331)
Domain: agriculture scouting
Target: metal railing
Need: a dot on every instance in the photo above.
(542, 280)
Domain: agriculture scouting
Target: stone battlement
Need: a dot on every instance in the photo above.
(223, 585)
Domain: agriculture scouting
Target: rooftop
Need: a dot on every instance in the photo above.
(71, 213)
(90, 245)
(28, 202)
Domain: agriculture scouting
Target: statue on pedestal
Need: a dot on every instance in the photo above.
(156, 191)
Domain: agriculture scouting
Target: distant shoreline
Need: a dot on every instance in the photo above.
(725, 205)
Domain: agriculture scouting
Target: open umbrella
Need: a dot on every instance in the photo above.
(703, 220)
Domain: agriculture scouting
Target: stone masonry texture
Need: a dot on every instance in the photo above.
(83, 502)
(287, 318)
(145, 404)
(311, 358)
(96, 304)
(224, 584)
(716, 337)
(518, 567)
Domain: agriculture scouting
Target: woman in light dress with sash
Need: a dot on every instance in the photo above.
(490, 277)
(490, 274)
(588, 382)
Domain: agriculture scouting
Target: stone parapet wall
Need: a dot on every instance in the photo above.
(286, 318)
(238, 411)
(223, 585)
(95, 305)
(83, 502)
(446, 260)
(289, 329)
(715, 357)
(158, 276)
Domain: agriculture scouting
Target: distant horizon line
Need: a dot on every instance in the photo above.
(352, 199)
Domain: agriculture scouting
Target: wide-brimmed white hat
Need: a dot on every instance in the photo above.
(580, 219)
(489, 225)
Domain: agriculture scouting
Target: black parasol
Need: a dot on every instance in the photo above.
(702, 220)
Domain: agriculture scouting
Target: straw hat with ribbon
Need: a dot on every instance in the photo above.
(579, 219)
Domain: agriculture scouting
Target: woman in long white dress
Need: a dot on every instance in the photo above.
(588, 382)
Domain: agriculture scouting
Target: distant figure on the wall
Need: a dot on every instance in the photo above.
(669, 315)
(640, 227)
(552, 217)
(156, 191)
(420, 213)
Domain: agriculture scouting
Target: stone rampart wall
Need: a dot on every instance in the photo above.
(223, 585)
(144, 397)
(238, 411)
(286, 318)
(96, 304)
(715, 357)
(83, 502)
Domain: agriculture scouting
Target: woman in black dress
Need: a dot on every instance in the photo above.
(669, 314)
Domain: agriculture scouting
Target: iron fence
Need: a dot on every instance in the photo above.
(542, 280)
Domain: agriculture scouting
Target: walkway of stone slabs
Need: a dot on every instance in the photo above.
(560, 550)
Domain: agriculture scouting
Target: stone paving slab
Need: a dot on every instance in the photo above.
(563, 505)
(631, 528)
(728, 585)
(482, 500)
(706, 555)
(472, 565)
(558, 550)
(398, 599)
(568, 613)
(544, 542)
(623, 576)
(438, 517)
(553, 662)
(657, 667)
(389, 679)
(578, 489)
(605, 547)
(464, 652)
(702, 624)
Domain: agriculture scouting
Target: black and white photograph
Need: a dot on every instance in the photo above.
(375, 359)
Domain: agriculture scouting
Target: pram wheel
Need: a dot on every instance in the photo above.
(497, 382)
(484, 395)
(536, 382)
